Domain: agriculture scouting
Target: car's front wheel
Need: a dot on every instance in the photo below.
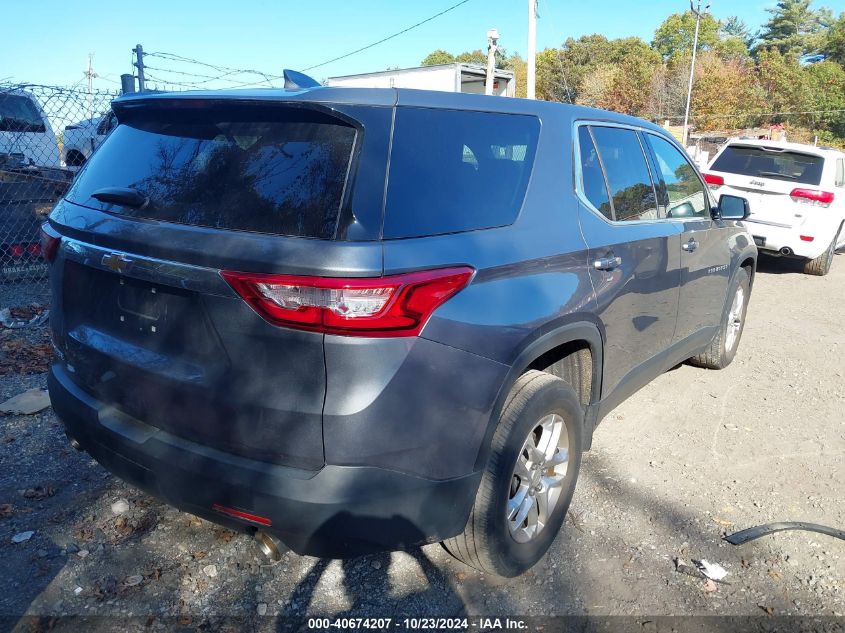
(529, 480)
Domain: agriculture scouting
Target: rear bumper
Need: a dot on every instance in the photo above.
(777, 238)
(336, 511)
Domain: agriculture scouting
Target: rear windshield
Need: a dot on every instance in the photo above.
(280, 171)
(453, 171)
(771, 162)
(19, 114)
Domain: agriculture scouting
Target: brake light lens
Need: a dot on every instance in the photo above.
(240, 514)
(713, 179)
(396, 305)
(50, 241)
(812, 196)
(17, 250)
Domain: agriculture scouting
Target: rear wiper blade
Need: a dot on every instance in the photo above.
(776, 174)
(122, 196)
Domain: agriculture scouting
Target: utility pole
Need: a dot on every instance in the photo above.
(492, 47)
(90, 74)
(698, 13)
(139, 64)
(531, 75)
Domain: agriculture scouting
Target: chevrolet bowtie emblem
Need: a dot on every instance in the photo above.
(116, 262)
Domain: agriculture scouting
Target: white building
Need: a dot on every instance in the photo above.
(455, 77)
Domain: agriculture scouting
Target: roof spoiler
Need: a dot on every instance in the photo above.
(298, 81)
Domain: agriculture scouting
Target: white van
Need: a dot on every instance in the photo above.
(26, 136)
(796, 193)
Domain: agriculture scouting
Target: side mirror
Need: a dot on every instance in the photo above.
(733, 207)
(683, 210)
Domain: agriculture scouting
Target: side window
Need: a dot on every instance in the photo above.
(628, 177)
(592, 176)
(840, 172)
(687, 197)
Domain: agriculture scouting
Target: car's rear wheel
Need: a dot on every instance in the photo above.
(821, 265)
(529, 480)
(721, 351)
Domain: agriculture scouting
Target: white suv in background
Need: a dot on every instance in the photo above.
(796, 194)
(82, 138)
(26, 136)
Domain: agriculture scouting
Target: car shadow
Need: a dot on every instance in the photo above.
(779, 265)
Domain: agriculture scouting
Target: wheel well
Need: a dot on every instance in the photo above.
(74, 158)
(573, 363)
(748, 264)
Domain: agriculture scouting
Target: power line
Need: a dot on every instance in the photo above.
(390, 37)
(751, 114)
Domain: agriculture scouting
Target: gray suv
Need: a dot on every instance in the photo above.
(365, 319)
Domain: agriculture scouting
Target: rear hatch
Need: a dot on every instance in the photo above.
(767, 176)
(194, 187)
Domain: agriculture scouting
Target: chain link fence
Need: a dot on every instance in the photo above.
(46, 134)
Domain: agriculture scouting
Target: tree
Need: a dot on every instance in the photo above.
(834, 46)
(437, 57)
(783, 82)
(826, 83)
(676, 34)
(794, 28)
(734, 27)
(724, 91)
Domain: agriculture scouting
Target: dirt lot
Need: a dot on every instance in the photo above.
(692, 456)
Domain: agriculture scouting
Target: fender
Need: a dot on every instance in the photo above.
(577, 331)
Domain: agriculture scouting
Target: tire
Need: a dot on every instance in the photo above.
(820, 266)
(492, 543)
(75, 159)
(721, 351)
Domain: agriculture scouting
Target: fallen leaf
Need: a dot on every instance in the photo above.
(775, 574)
(199, 554)
(6, 510)
(710, 586)
(723, 521)
(768, 610)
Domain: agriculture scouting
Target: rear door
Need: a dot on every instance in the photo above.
(705, 247)
(633, 251)
(147, 323)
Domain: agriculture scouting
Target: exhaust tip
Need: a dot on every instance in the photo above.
(269, 546)
(786, 251)
(75, 443)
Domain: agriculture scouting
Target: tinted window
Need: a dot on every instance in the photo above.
(684, 189)
(627, 173)
(592, 177)
(19, 114)
(278, 171)
(770, 162)
(454, 171)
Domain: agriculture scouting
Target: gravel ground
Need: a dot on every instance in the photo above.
(692, 456)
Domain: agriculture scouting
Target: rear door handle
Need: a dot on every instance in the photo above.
(607, 263)
(690, 246)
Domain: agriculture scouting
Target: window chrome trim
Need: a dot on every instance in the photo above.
(579, 182)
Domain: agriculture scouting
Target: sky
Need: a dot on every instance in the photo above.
(51, 45)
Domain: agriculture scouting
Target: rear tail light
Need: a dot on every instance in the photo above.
(34, 249)
(397, 305)
(806, 238)
(812, 196)
(713, 179)
(240, 514)
(50, 241)
(17, 250)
